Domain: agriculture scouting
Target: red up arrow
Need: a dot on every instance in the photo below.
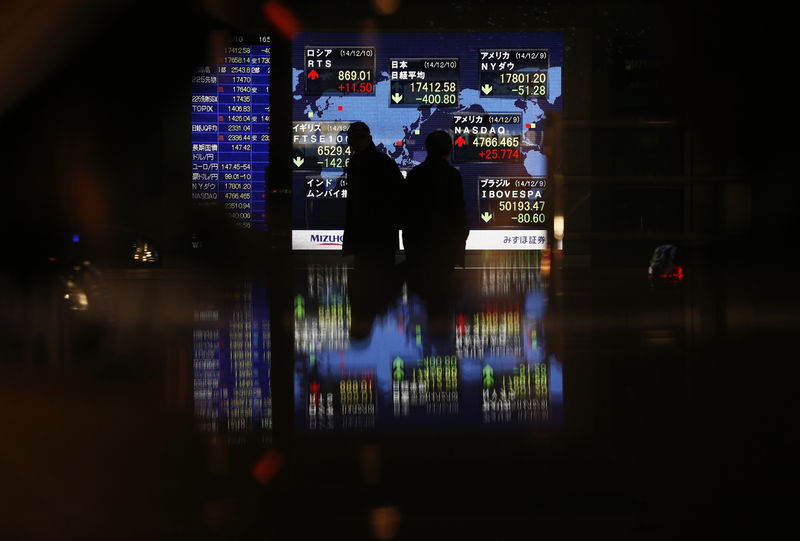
(313, 75)
(460, 142)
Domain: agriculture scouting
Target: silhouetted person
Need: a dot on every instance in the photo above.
(435, 225)
(374, 185)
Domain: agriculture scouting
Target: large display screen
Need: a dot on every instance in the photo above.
(492, 92)
(230, 131)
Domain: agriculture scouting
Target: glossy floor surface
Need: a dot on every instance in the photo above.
(526, 394)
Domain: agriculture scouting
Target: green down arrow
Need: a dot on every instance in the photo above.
(486, 216)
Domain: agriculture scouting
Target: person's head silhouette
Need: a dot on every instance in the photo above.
(438, 144)
(358, 136)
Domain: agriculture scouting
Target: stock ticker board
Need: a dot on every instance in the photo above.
(230, 126)
(492, 92)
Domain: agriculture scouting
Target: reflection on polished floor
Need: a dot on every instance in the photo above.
(518, 395)
(477, 360)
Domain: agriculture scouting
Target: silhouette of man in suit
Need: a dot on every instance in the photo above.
(374, 184)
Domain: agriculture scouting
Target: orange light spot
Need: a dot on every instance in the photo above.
(267, 467)
(282, 17)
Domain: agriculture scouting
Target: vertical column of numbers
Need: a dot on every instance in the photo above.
(235, 137)
(260, 122)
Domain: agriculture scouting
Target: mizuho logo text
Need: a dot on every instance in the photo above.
(320, 239)
(327, 239)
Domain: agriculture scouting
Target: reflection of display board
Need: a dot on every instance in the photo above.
(232, 360)
(491, 92)
(322, 312)
(516, 394)
(491, 367)
(428, 386)
(230, 131)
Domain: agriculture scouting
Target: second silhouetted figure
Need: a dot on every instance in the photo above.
(435, 227)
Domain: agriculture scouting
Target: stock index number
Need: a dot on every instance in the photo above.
(520, 206)
(509, 141)
(355, 75)
(333, 150)
(534, 78)
(433, 86)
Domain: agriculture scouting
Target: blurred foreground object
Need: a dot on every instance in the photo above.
(267, 467)
(81, 282)
(144, 252)
(75, 296)
(385, 521)
(664, 266)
